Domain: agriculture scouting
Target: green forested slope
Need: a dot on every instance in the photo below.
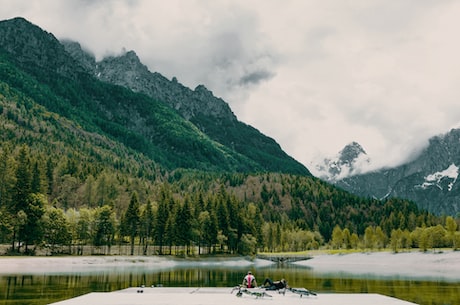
(88, 163)
(35, 63)
(147, 126)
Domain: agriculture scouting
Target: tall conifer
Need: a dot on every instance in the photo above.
(132, 218)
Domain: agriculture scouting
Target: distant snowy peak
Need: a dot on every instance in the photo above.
(351, 160)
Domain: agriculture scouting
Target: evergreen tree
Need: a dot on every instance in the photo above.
(222, 220)
(6, 225)
(209, 230)
(147, 225)
(50, 175)
(165, 203)
(278, 236)
(38, 183)
(21, 195)
(32, 230)
(23, 186)
(171, 228)
(270, 237)
(89, 195)
(132, 219)
(6, 178)
(183, 225)
(236, 222)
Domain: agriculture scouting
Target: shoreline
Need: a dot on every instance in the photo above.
(438, 266)
(427, 265)
(89, 264)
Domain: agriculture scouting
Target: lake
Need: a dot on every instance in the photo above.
(56, 283)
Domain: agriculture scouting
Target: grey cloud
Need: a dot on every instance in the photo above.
(254, 78)
(379, 72)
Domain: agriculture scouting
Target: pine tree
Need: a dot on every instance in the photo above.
(132, 219)
(50, 175)
(6, 178)
(184, 225)
(32, 230)
(22, 192)
(147, 225)
(161, 218)
(23, 186)
(38, 183)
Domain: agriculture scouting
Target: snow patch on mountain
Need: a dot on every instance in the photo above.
(435, 179)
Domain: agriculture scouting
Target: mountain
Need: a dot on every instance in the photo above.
(211, 115)
(430, 180)
(347, 162)
(74, 139)
(170, 124)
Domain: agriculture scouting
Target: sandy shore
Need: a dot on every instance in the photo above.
(445, 266)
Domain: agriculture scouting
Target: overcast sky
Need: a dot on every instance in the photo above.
(314, 75)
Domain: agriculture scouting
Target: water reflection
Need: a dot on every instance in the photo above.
(47, 288)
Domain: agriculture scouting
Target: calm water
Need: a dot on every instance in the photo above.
(47, 288)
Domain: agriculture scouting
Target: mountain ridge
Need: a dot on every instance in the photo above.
(94, 147)
(210, 114)
(430, 179)
(145, 123)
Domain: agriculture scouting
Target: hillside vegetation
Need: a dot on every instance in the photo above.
(88, 163)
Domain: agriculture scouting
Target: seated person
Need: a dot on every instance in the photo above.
(281, 284)
(249, 280)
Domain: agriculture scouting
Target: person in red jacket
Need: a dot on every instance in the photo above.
(249, 280)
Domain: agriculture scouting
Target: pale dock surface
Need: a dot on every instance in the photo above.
(222, 296)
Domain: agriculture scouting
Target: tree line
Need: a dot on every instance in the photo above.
(44, 204)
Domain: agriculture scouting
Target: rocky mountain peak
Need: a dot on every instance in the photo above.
(69, 82)
(351, 152)
(31, 45)
(201, 89)
(85, 58)
(430, 180)
(347, 162)
(127, 70)
(127, 61)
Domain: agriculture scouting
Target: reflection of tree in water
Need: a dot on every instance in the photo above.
(199, 277)
(44, 289)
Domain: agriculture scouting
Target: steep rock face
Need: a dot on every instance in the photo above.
(172, 124)
(36, 63)
(28, 42)
(430, 180)
(210, 114)
(85, 59)
(347, 162)
(127, 70)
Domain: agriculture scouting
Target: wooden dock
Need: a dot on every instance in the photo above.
(223, 296)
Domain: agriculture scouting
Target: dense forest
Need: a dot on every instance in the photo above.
(84, 163)
(63, 205)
